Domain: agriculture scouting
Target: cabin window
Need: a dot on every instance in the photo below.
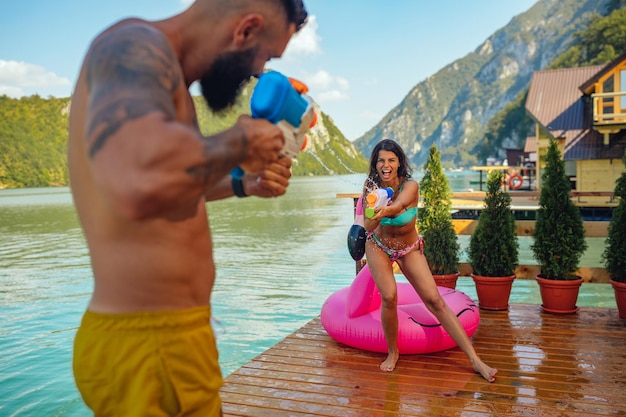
(570, 172)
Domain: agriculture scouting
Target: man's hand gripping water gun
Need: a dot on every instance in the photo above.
(283, 101)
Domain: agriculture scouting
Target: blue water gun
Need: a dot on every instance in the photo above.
(283, 101)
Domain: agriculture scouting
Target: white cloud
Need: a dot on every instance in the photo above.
(306, 41)
(321, 79)
(331, 95)
(186, 2)
(21, 78)
(326, 88)
(11, 91)
(342, 83)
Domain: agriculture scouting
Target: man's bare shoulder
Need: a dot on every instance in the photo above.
(131, 70)
(133, 38)
(123, 26)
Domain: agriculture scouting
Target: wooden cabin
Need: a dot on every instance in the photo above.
(584, 109)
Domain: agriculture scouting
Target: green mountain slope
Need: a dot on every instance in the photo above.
(33, 140)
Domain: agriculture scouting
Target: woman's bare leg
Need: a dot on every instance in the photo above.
(415, 268)
(382, 271)
(389, 319)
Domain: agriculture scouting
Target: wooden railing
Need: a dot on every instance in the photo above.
(604, 101)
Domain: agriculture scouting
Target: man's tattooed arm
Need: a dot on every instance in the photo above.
(209, 174)
(135, 83)
(131, 71)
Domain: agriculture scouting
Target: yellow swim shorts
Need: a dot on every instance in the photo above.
(161, 363)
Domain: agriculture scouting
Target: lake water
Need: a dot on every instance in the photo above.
(277, 261)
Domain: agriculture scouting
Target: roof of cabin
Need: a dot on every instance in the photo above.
(589, 86)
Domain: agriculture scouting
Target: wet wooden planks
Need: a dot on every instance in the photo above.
(549, 365)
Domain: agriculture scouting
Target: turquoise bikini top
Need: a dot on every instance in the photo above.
(401, 219)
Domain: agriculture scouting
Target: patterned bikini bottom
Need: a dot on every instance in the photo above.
(395, 254)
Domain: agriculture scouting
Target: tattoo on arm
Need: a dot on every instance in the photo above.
(131, 71)
(216, 159)
(113, 117)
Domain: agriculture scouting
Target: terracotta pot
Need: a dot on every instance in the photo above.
(620, 297)
(559, 296)
(493, 292)
(448, 281)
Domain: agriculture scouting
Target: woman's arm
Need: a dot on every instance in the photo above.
(406, 198)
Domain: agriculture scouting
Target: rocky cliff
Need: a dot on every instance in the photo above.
(451, 108)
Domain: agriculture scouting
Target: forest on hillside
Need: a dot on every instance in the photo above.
(33, 140)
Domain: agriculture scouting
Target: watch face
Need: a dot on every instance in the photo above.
(237, 173)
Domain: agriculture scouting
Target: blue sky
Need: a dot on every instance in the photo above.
(359, 57)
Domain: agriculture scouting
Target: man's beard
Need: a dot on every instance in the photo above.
(223, 82)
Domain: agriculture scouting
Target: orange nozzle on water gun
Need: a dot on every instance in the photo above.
(377, 198)
(302, 88)
(371, 199)
(298, 85)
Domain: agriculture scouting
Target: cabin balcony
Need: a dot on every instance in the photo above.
(609, 113)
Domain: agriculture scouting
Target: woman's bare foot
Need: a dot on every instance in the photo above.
(486, 371)
(390, 363)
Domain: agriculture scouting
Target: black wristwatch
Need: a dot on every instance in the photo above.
(236, 176)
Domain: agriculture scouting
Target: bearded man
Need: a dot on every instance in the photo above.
(141, 173)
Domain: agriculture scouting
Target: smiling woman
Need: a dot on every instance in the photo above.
(393, 237)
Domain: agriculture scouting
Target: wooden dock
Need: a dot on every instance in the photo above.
(549, 365)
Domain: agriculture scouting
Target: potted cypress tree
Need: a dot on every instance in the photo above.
(559, 238)
(493, 247)
(435, 222)
(614, 254)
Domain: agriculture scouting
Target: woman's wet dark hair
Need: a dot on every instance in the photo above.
(404, 169)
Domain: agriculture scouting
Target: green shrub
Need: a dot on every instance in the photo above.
(435, 220)
(614, 255)
(493, 249)
(559, 235)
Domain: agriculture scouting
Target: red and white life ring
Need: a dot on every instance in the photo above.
(515, 182)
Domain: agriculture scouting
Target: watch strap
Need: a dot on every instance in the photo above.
(236, 180)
